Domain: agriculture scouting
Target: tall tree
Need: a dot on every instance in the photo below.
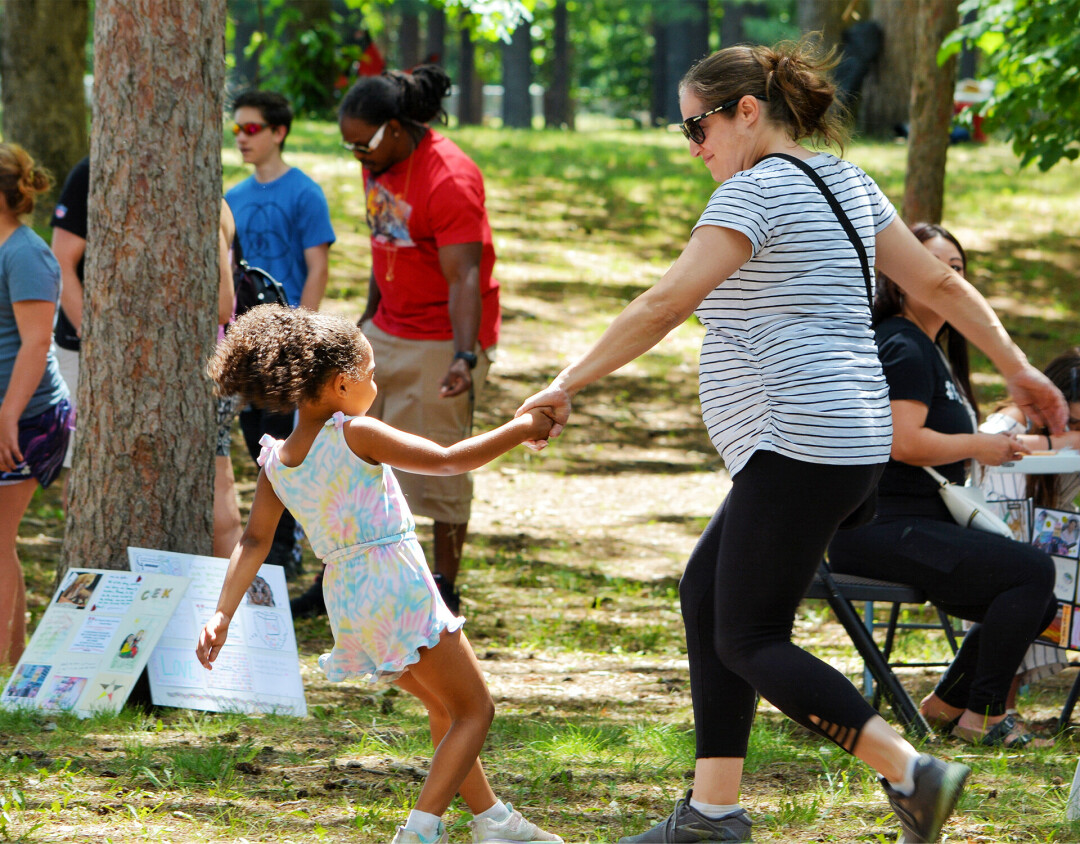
(409, 36)
(1032, 48)
(824, 16)
(470, 98)
(42, 64)
(886, 93)
(517, 67)
(436, 36)
(685, 40)
(144, 462)
(931, 112)
(558, 105)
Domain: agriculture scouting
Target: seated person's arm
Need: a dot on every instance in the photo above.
(917, 445)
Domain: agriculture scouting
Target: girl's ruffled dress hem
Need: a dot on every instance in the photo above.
(389, 671)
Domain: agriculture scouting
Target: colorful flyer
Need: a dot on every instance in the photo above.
(1056, 532)
(94, 640)
(1016, 513)
(258, 670)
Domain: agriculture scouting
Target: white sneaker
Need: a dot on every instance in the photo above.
(407, 836)
(514, 828)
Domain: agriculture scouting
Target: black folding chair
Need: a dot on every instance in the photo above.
(1070, 704)
(840, 590)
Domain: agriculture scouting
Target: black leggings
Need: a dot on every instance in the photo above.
(1006, 586)
(739, 594)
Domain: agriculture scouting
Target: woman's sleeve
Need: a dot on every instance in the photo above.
(739, 204)
(33, 274)
(883, 210)
(908, 370)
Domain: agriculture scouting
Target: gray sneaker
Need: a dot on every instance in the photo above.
(937, 788)
(687, 824)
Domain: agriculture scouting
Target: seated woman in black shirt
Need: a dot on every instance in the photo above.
(1004, 586)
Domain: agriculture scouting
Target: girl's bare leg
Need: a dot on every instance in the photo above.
(448, 681)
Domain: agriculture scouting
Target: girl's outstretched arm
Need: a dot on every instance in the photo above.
(250, 553)
(376, 442)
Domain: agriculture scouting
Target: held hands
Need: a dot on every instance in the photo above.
(1038, 398)
(995, 449)
(556, 403)
(541, 420)
(212, 639)
(457, 380)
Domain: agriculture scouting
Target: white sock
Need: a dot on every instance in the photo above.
(714, 811)
(906, 786)
(424, 824)
(498, 813)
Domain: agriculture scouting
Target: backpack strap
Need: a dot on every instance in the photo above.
(849, 229)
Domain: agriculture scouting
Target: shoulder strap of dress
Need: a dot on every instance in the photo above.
(845, 223)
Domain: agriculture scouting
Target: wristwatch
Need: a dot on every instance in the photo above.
(469, 358)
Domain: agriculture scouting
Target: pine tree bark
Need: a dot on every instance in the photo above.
(436, 36)
(144, 458)
(42, 63)
(931, 112)
(470, 88)
(886, 94)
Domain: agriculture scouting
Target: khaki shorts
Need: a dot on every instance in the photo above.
(407, 373)
(69, 370)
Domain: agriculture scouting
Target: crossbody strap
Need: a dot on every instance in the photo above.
(849, 229)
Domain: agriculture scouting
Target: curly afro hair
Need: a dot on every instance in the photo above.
(277, 357)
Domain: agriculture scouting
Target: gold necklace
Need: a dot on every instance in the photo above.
(391, 258)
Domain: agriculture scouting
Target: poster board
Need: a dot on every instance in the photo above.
(258, 670)
(93, 641)
(1057, 532)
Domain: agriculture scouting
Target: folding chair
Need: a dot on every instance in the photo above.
(1070, 704)
(839, 590)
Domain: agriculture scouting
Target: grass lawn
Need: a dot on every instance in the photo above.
(570, 584)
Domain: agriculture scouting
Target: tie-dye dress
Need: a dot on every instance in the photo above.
(381, 599)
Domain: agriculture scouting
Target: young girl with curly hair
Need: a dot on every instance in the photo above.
(333, 472)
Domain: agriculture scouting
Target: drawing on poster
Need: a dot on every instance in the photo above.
(1056, 532)
(259, 593)
(1016, 513)
(77, 589)
(267, 630)
(27, 681)
(1065, 583)
(65, 693)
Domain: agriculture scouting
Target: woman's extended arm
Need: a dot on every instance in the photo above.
(903, 259)
(712, 255)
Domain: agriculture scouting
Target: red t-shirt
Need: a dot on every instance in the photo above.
(411, 214)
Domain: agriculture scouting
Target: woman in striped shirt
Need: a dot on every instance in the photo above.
(795, 401)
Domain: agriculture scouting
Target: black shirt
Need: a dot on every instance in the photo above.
(71, 216)
(916, 371)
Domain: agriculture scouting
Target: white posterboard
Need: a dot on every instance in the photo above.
(258, 670)
(93, 641)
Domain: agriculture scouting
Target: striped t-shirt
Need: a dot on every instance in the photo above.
(789, 363)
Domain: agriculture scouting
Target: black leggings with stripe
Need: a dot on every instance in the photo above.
(742, 585)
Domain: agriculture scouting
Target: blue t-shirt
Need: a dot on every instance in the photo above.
(276, 221)
(28, 271)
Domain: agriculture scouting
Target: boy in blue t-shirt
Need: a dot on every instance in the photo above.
(283, 226)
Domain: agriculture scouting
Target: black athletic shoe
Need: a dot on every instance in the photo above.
(687, 824)
(450, 596)
(937, 788)
(309, 604)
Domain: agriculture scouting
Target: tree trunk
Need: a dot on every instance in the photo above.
(409, 40)
(42, 63)
(558, 106)
(144, 463)
(732, 24)
(687, 41)
(931, 112)
(470, 106)
(436, 36)
(517, 70)
(824, 16)
(886, 93)
(659, 87)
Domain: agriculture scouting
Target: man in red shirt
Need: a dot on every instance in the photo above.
(433, 309)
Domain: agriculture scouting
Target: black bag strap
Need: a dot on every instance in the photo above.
(849, 229)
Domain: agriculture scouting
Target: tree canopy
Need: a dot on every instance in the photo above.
(1032, 49)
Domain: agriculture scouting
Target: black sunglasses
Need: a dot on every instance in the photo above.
(693, 130)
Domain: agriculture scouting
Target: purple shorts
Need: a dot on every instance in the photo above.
(43, 440)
